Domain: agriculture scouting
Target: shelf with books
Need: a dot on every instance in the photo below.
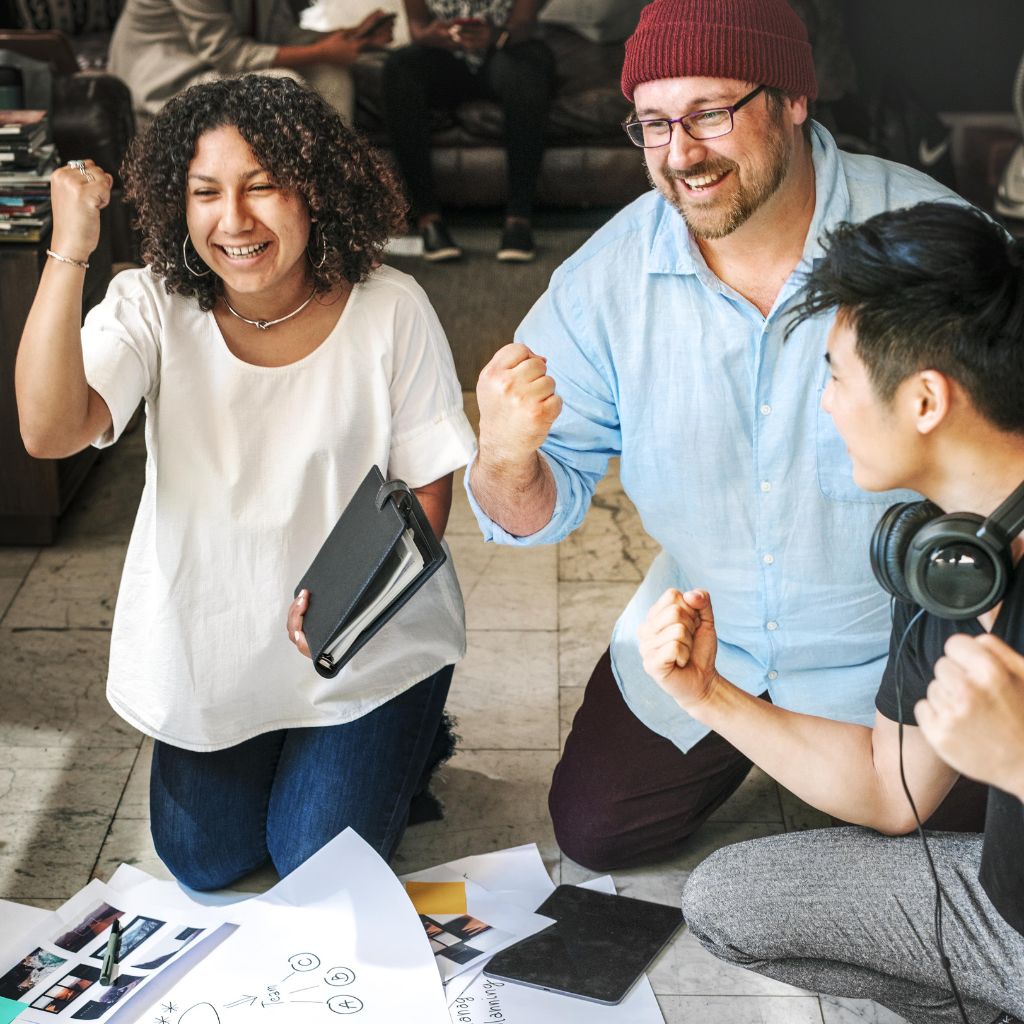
(34, 492)
(27, 160)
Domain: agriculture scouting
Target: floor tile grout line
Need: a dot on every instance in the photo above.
(117, 807)
(18, 588)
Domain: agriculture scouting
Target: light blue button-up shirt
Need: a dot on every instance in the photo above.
(734, 468)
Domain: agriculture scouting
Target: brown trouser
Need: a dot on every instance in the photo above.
(622, 795)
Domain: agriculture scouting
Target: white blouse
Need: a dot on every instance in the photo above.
(247, 470)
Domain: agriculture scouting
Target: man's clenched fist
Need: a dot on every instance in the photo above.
(518, 404)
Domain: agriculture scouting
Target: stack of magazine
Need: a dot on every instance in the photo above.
(27, 159)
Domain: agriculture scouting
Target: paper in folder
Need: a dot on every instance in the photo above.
(380, 552)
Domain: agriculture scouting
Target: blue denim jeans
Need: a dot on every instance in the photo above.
(282, 795)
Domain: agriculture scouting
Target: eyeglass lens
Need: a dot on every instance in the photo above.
(707, 124)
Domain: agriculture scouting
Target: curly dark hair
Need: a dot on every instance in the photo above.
(304, 145)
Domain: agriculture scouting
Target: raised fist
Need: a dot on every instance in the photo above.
(518, 404)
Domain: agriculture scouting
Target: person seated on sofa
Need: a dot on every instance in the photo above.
(161, 46)
(927, 370)
(463, 49)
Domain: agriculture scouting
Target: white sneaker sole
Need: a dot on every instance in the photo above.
(441, 255)
(515, 256)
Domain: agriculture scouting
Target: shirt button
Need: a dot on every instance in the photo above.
(773, 624)
(773, 674)
(768, 559)
(765, 486)
(766, 410)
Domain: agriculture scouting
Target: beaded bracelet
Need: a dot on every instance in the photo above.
(67, 259)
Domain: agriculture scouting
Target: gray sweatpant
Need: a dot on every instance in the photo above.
(849, 912)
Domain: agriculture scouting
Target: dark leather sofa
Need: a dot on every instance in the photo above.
(92, 111)
(588, 161)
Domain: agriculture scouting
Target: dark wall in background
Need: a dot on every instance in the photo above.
(961, 54)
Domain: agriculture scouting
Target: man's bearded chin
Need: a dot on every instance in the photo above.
(722, 216)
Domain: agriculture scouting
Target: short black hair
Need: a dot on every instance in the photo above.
(934, 286)
(304, 145)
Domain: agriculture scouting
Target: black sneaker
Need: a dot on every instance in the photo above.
(438, 245)
(516, 243)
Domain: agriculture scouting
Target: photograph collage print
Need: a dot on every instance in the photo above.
(55, 976)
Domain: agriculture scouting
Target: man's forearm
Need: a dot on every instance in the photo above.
(828, 764)
(518, 496)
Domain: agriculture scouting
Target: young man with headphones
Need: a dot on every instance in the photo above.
(927, 373)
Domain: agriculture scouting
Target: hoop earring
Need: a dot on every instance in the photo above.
(323, 248)
(184, 256)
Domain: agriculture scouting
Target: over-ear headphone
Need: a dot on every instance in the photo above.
(954, 566)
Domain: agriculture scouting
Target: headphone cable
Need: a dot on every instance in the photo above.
(940, 893)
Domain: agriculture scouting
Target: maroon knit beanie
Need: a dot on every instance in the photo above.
(761, 41)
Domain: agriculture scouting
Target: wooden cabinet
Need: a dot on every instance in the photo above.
(34, 492)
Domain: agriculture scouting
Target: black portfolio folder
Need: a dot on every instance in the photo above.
(380, 552)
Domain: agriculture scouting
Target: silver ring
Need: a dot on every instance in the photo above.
(79, 165)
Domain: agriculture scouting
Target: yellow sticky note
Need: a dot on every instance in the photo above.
(437, 897)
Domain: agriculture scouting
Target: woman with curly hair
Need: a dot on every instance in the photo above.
(278, 361)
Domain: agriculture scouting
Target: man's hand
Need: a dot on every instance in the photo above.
(382, 25)
(518, 405)
(678, 645)
(973, 715)
(474, 35)
(341, 48)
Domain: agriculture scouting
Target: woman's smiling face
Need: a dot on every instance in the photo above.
(250, 231)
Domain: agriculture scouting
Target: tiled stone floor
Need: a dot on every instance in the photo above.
(73, 776)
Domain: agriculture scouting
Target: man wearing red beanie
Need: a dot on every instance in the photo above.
(666, 341)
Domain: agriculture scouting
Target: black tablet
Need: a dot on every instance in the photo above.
(597, 948)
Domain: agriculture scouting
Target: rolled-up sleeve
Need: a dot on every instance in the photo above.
(586, 434)
(121, 352)
(217, 40)
(430, 435)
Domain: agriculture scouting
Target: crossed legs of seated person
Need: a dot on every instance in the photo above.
(850, 913)
(419, 78)
(622, 795)
(282, 795)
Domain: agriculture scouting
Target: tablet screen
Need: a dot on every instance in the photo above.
(598, 947)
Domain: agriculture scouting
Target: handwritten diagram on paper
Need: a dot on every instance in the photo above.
(249, 980)
(316, 986)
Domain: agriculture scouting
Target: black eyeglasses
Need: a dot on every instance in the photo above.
(700, 124)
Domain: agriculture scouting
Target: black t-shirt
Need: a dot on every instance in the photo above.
(1002, 859)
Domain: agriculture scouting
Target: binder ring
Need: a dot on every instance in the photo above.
(392, 488)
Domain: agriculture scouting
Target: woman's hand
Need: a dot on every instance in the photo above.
(77, 196)
(296, 612)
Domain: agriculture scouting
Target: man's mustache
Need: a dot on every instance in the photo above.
(714, 167)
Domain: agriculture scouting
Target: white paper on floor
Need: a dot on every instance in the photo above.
(20, 919)
(338, 936)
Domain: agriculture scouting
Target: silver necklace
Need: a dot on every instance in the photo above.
(265, 325)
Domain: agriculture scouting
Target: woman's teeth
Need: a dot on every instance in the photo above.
(242, 251)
